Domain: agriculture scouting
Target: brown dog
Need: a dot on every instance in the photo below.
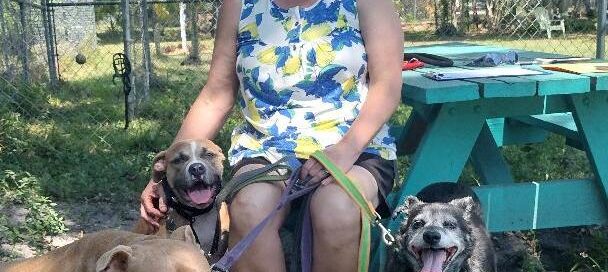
(193, 179)
(190, 174)
(115, 250)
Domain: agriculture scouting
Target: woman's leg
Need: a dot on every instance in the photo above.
(336, 223)
(247, 209)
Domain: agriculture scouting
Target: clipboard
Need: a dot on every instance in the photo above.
(482, 73)
(579, 68)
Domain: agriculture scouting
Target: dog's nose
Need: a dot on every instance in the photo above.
(431, 237)
(196, 169)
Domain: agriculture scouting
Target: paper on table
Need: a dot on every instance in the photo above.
(579, 68)
(482, 73)
(560, 60)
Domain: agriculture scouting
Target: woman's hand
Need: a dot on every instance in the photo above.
(148, 210)
(342, 154)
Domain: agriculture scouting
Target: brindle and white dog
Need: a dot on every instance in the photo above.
(444, 232)
(190, 172)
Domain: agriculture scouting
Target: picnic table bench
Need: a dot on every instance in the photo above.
(454, 121)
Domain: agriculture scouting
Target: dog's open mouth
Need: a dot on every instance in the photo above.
(201, 194)
(434, 259)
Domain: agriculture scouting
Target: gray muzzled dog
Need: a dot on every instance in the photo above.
(444, 232)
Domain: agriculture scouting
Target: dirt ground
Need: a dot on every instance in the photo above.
(516, 251)
(80, 219)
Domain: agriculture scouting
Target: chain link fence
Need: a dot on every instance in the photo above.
(23, 44)
(56, 56)
(62, 109)
(566, 27)
(59, 53)
(55, 53)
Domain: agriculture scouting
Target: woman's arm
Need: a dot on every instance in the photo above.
(210, 109)
(381, 30)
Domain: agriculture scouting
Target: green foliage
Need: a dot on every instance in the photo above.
(549, 160)
(581, 25)
(596, 259)
(21, 190)
(166, 12)
(110, 14)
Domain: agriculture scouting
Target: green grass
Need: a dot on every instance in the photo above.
(68, 144)
(20, 192)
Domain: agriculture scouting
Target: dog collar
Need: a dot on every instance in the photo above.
(183, 210)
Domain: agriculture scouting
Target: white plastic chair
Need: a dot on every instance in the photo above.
(546, 23)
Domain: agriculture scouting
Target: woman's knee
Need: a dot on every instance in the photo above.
(252, 204)
(334, 214)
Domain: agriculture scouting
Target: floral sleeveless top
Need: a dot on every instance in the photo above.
(303, 80)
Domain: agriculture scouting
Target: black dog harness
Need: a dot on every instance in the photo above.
(185, 211)
(190, 214)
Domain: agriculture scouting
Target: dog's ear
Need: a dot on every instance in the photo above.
(184, 233)
(159, 166)
(115, 260)
(189, 236)
(412, 202)
(468, 205)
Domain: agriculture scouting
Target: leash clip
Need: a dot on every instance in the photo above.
(387, 237)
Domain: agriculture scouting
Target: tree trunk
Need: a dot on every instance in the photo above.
(194, 56)
(588, 7)
(182, 25)
(24, 50)
(490, 10)
(491, 19)
(455, 7)
(4, 34)
(436, 14)
(127, 44)
(155, 32)
(145, 42)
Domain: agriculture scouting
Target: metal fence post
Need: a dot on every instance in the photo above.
(50, 45)
(127, 42)
(24, 48)
(601, 29)
(146, 61)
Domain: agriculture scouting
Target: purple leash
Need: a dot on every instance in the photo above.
(292, 191)
(306, 238)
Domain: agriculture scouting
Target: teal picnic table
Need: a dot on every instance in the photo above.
(454, 121)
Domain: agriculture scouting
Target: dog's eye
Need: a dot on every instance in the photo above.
(208, 154)
(449, 225)
(418, 224)
(180, 159)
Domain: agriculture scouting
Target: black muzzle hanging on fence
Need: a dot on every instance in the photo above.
(122, 70)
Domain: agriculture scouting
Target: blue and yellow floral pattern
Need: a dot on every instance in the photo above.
(303, 79)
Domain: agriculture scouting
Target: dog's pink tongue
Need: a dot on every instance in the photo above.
(433, 260)
(200, 196)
